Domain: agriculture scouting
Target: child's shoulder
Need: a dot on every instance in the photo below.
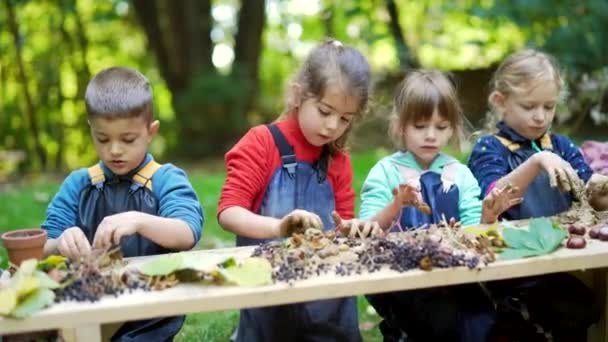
(562, 142)
(82, 177)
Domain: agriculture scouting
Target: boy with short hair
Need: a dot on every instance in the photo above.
(127, 198)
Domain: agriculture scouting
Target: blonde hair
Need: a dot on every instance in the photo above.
(417, 97)
(333, 64)
(517, 73)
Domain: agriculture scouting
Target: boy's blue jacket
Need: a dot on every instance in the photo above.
(171, 188)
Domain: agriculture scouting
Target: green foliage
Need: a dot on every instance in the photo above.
(25, 205)
(575, 32)
(540, 238)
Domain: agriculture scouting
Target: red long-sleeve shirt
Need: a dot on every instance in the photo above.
(254, 159)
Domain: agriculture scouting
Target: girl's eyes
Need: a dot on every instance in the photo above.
(345, 119)
(324, 112)
(102, 141)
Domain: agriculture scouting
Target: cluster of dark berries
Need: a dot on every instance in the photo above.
(88, 283)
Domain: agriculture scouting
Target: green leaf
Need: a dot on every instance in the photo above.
(33, 303)
(46, 281)
(510, 253)
(169, 263)
(251, 272)
(519, 238)
(163, 265)
(549, 237)
(206, 262)
(52, 261)
(541, 237)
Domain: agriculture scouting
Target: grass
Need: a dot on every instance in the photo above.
(24, 206)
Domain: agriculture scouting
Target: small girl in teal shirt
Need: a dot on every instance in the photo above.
(419, 185)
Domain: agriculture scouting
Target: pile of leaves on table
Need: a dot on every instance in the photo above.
(38, 284)
(316, 252)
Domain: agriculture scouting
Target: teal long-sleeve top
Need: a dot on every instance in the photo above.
(376, 193)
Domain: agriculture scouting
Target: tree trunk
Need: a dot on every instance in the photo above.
(210, 108)
(30, 110)
(248, 46)
(406, 59)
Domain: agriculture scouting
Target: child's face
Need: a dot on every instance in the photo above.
(325, 120)
(530, 112)
(425, 139)
(122, 143)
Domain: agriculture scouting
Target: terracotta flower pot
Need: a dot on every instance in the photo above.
(24, 244)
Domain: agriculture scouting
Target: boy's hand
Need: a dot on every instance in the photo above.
(561, 174)
(73, 244)
(498, 201)
(408, 195)
(298, 221)
(356, 228)
(113, 228)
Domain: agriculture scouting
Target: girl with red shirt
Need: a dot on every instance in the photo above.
(293, 174)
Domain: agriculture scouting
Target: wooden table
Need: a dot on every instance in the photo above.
(82, 321)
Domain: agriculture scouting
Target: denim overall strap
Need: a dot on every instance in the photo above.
(288, 156)
(540, 198)
(324, 320)
(116, 195)
(439, 191)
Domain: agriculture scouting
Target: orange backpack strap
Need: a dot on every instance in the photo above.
(512, 146)
(96, 175)
(144, 176)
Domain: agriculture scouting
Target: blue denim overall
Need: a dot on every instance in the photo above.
(540, 198)
(299, 185)
(455, 313)
(568, 317)
(116, 195)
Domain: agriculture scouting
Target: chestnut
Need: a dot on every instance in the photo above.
(603, 233)
(576, 242)
(576, 229)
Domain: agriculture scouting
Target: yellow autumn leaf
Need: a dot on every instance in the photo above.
(8, 301)
(26, 285)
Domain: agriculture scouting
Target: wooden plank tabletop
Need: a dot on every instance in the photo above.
(187, 298)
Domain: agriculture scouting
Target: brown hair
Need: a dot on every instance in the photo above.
(119, 92)
(332, 63)
(517, 73)
(417, 97)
